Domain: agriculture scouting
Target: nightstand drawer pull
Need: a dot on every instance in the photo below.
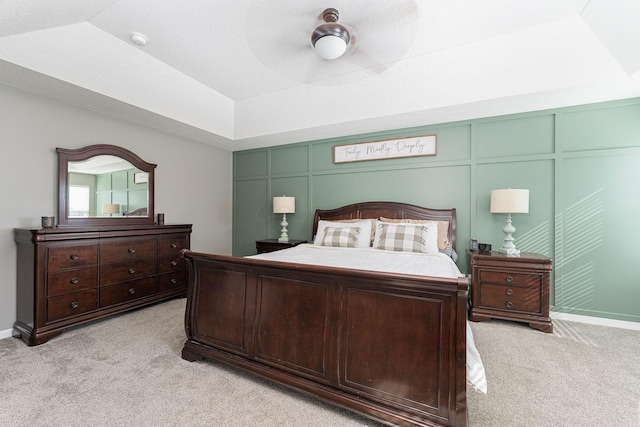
(132, 291)
(509, 279)
(74, 257)
(174, 263)
(74, 280)
(132, 270)
(74, 304)
(509, 291)
(174, 281)
(132, 250)
(173, 246)
(509, 304)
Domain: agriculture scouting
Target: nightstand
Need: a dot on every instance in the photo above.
(270, 245)
(510, 288)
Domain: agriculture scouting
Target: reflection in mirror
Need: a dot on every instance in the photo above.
(103, 183)
(104, 186)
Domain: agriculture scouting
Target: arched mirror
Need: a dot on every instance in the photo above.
(104, 185)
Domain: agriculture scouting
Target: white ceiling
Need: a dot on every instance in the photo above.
(239, 74)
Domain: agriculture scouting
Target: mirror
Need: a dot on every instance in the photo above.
(104, 185)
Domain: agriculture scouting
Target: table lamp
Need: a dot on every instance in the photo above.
(284, 205)
(509, 201)
(110, 208)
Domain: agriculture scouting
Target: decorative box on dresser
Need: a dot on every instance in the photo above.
(270, 245)
(71, 275)
(511, 288)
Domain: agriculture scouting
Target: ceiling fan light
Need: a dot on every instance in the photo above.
(330, 40)
(330, 46)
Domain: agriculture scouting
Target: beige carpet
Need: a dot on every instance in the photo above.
(127, 371)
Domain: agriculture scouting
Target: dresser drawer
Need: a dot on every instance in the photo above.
(510, 298)
(130, 249)
(171, 245)
(171, 263)
(128, 270)
(127, 291)
(511, 279)
(172, 281)
(61, 257)
(64, 282)
(69, 305)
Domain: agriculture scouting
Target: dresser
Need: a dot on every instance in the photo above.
(71, 275)
(510, 288)
(270, 245)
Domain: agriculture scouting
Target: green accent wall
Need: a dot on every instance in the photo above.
(581, 165)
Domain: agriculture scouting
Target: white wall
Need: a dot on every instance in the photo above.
(193, 180)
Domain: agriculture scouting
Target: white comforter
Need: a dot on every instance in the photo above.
(439, 265)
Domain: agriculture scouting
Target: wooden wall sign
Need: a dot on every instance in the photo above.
(411, 146)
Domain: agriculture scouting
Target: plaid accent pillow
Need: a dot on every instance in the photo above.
(342, 237)
(402, 237)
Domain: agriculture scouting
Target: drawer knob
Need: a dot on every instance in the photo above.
(173, 246)
(74, 304)
(132, 250)
(74, 280)
(132, 270)
(174, 263)
(509, 279)
(509, 291)
(132, 291)
(74, 256)
(174, 281)
(509, 304)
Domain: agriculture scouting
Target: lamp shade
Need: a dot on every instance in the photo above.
(284, 205)
(110, 208)
(510, 200)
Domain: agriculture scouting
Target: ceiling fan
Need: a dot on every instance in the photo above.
(310, 46)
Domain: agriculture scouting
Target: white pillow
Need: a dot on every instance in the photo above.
(408, 237)
(364, 237)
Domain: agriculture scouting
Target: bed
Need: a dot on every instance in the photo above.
(386, 344)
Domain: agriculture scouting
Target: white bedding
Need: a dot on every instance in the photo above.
(427, 264)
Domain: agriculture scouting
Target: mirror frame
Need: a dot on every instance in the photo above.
(73, 155)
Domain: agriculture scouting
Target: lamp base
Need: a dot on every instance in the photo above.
(509, 247)
(509, 251)
(284, 234)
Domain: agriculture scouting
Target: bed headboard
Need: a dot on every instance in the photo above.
(388, 210)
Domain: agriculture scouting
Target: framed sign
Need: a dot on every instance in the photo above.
(140, 177)
(411, 146)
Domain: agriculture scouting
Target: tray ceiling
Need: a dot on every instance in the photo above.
(239, 74)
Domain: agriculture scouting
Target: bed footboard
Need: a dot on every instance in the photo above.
(388, 346)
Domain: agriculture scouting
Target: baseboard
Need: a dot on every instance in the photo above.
(5, 334)
(623, 324)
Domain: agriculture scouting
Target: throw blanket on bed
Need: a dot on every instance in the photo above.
(425, 264)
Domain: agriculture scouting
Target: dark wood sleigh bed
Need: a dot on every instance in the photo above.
(388, 346)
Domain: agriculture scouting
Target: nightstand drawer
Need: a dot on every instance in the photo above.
(511, 279)
(510, 298)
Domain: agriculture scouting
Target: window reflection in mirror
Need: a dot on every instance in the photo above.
(79, 201)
